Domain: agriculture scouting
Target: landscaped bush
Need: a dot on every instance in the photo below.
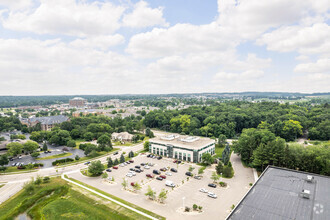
(223, 184)
(65, 160)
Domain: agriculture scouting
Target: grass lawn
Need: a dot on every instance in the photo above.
(118, 143)
(78, 141)
(55, 156)
(119, 199)
(1, 185)
(58, 200)
(14, 169)
(218, 152)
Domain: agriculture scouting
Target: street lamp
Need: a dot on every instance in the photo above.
(183, 198)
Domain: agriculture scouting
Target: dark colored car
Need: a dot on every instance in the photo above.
(212, 185)
(156, 172)
(163, 176)
(163, 169)
(132, 169)
(131, 161)
(174, 170)
(115, 167)
(179, 161)
(108, 170)
(159, 178)
(115, 153)
(138, 170)
(189, 174)
(174, 161)
(137, 167)
(148, 155)
(150, 175)
(159, 158)
(142, 164)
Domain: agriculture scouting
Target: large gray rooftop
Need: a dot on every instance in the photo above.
(278, 195)
(57, 119)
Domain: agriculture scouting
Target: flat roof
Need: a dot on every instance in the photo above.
(190, 142)
(278, 195)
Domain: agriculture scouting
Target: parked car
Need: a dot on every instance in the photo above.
(169, 183)
(159, 158)
(198, 177)
(132, 169)
(150, 175)
(179, 161)
(132, 184)
(121, 165)
(174, 170)
(115, 153)
(189, 174)
(174, 161)
(131, 161)
(151, 164)
(115, 167)
(127, 162)
(146, 167)
(149, 155)
(142, 164)
(132, 172)
(108, 170)
(212, 195)
(159, 178)
(212, 185)
(203, 190)
(168, 173)
(163, 169)
(137, 167)
(138, 170)
(156, 172)
(87, 163)
(129, 175)
(163, 176)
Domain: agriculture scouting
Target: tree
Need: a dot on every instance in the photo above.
(122, 158)
(105, 175)
(190, 169)
(228, 171)
(96, 168)
(45, 147)
(77, 157)
(35, 154)
(207, 159)
(88, 136)
(124, 183)
(201, 170)
(14, 148)
(110, 162)
(162, 195)
(116, 162)
(146, 145)
(104, 141)
(226, 155)
(3, 160)
(71, 143)
(219, 168)
(137, 186)
(291, 130)
(150, 193)
(30, 146)
(222, 140)
(215, 177)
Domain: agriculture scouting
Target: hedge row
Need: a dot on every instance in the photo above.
(65, 160)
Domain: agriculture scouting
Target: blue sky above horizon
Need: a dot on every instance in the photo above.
(55, 47)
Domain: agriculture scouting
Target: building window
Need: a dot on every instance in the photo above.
(176, 155)
(180, 156)
(189, 158)
(157, 150)
(184, 156)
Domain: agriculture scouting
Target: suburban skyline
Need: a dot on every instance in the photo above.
(66, 47)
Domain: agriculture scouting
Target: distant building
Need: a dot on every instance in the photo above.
(46, 123)
(122, 136)
(77, 102)
(187, 148)
(281, 193)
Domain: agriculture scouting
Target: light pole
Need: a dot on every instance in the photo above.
(183, 198)
(221, 177)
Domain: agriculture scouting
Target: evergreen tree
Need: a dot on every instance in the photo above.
(116, 162)
(122, 158)
(219, 167)
(110, 162)
(45, 147)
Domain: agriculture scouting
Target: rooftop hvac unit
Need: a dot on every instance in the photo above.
(309, 178)
(305, 193)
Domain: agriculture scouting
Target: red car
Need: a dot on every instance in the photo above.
(175, 161)
(132, 184)
(150, 175)
(163, 176)
(131, 161)
(116, 168)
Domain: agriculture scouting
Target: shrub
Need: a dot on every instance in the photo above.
(195, 207)
(232, 206)
(223, 184)
(65, 160)
(200, 208)
(3, 168)
(187, 209)
(77, 157)
(38, 180)
(46, 179)
(250, 184)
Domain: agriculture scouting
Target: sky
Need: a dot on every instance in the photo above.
(79, 47)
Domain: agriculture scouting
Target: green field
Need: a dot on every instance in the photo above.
(55, 156)
(14, 170)
(58, 200)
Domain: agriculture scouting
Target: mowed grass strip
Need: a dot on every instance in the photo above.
(119, 199)
(57, 200)
(55, 156)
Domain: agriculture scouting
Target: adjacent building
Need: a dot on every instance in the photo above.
(284, 194)
(77, 102)
(187, 148)
(46, 123)
(122, 136)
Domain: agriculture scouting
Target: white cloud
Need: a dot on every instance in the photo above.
(180, 39)
(320, 66)
(16, 4)
(102, 42)
(68, 17)
(313, 39)
(144, 16)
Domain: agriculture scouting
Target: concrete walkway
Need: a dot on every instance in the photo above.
(108, 198)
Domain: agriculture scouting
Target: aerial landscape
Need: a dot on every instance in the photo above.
(178, 110)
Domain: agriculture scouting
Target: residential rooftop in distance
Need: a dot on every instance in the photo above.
(284, 194)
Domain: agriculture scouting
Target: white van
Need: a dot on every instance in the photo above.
(169, 183)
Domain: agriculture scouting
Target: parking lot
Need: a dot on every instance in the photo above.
(186, 192)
